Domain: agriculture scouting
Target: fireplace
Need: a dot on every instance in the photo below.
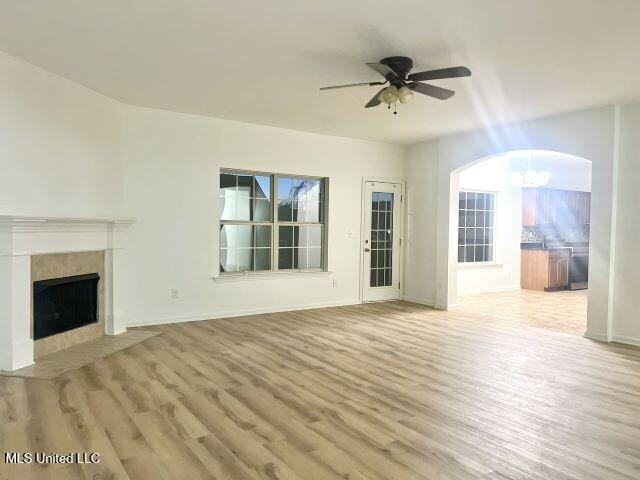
(63, 304)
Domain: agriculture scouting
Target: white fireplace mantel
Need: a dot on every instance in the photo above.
(20, 238)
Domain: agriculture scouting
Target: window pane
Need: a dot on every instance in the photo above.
(480, 219)
(307, 211)
(471, 218)
(262, 259)
(460, 254)
(227, 181)
(261, 210)
(315, 258)
(488, 254)
(374, 220)
(471, 200)
(309, 236)
(461, 218)
(301, 255)
(462, 200)
(468, 254)
(303, 195)
(373, 281)
(461, 236)
(471, 236)
(490, 201)
(488, 222)
(227, 236)
(480, 203)
(228, 260)
(227, 205)
(285, 258)
(245, 185)
(479, 254)
(375, 201)
(262, 187)
(245, 259)
(244, 236)
(285, 236)
(262, 235)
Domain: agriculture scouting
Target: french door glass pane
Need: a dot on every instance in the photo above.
(381, 239)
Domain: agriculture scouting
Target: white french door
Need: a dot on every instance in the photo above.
(381, 241)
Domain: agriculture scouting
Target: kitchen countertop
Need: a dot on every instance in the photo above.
(542, 246)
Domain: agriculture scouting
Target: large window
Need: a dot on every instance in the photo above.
(271, 222)
(476, 216)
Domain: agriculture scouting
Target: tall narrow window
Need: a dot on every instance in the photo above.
(476, 216)
(271, 222)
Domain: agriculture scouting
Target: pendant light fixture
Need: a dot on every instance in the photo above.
(530, 178)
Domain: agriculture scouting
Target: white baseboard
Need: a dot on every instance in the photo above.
(427, 302)
(596, 336)
(513, 288)
(240, 313)
(614, 338)
(626, 340)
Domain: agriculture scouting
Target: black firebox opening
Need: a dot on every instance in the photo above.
(62, 304)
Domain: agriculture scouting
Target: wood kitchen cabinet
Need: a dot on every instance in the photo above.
(548, 206)
(545, 270)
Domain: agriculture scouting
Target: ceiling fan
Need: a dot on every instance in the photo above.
(402, 84)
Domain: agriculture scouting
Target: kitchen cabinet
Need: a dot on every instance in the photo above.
(558, 273)
(548, 206)
(545, 270)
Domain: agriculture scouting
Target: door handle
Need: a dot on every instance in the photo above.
(366, 250)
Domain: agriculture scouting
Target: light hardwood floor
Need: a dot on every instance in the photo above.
(378, 391)
(564, 310)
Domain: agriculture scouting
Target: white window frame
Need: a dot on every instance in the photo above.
(494, 244)
(275, 223)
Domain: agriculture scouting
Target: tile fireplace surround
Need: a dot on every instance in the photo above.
(22, 237)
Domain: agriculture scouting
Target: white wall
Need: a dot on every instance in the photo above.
(59, 146)
(626, 271)
(504, 273)
(421, 171)
(171, 188)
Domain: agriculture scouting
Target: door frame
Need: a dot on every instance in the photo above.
(363, 209)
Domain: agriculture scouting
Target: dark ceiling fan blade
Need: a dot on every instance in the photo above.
(431, 90)
(382, 69)
(452, 72)
(353, 85)
(375, 101)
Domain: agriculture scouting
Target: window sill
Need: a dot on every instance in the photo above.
(480, 265)
(241, 277)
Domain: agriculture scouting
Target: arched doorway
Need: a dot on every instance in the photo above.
(522, 239)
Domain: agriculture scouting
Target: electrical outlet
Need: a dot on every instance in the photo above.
(174, 293)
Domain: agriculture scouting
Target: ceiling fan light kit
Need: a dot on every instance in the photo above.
(403, 84)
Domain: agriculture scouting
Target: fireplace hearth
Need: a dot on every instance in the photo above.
(63, 304)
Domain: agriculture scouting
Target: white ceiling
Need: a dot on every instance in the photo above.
(263, 61)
